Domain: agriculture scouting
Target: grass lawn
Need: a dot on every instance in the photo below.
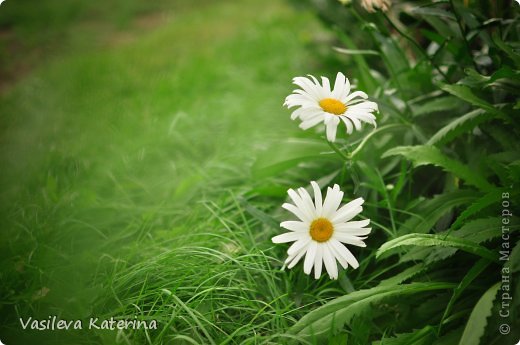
(126, 183)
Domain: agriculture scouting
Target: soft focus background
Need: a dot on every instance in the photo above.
(127, 133)
(145, 154)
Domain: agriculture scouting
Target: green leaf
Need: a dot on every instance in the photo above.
(460, 125)
(404, 275)
(259, 214)
(484, 229)
(424, 336)
(514, 258)
(287, 154)
(506, 73)
(463, 92)
(491, 198)
(476, 231)
(477, 321)
(424, 155)
(333, 315)
(436, 12)
(436, 105)
(366, 79)
(392, 54)
(506, 48)
(429, 240)
(436, 208)
(473, 273)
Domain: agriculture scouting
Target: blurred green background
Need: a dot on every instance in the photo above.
(126, 128)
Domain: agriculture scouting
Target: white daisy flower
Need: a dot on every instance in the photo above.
(321, 229)
(318, 103)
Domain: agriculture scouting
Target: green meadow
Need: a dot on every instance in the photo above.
(126, 169)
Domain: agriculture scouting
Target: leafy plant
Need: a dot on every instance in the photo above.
(441, 185)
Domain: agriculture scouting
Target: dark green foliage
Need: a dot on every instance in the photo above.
(446, 75)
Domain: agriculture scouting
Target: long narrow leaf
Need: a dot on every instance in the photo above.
(424, 155)
(333, 315)
(429, 240)
(477, 321)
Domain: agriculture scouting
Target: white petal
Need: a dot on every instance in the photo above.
(361, 115)
(337, 256)
(341, 86)
(311, 122)
(295, 225)
(294, 260)
(308, 86)
(287, 237)
(364, 105)
(317, 198)
(330, 263)
(319, 88)
(348, 211)
(298, 245)
(356, 122)
(352, 231)
(297, 212)
(344, 252)
(332, 201)
(356, 224)
(318, 261)
(307, 202)
(309, 257)
(349, 239)
(311, 113)
(354, 95)
(326, 84)
(296, 198)
(331, 132)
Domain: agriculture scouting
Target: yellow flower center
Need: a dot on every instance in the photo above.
(333, 106)
(321, 229)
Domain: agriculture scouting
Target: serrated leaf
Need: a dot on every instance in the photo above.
(477, 231)
(463, 92)
(506, 48)
(477, 321)
(436, 105)
(429, 240)
(404, 275)
(490, 198)
(514, 258)
(436, 208)
(484, 229)
(333, 315)
(473, 273)
(424, 155)
(424, 336)
(460, 125)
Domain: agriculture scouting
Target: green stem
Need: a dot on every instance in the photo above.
(369, 135)
(345, 157)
